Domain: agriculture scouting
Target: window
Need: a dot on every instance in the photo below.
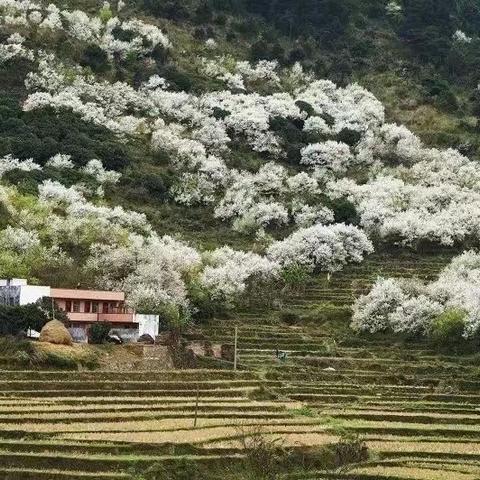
(87, 307)
(105, 307)
(94, 307)
(76, 306)
(68, 306)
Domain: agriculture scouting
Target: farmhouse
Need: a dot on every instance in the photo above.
(83, 307)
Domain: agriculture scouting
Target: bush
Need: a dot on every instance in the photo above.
(447, 330)
(98, 332)
(441, 93)
(17, 319)
(295, 277)
(51, 309)
(17, 350)
(260, 50)
(344, 211)
(178, 79)
(173, 9)
(350, 448)
(58, 361)
(288, 317)
(305, 107)
(264, 455)
(204, 307)
(183, 469)
(95, 58)
(39, 134)
(105, 13)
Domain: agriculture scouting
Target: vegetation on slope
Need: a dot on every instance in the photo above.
(211, 120)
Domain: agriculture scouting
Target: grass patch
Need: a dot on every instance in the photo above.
(18, 353)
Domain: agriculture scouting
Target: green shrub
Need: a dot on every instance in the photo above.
(20, 318)
(304, 411)
(344, 211)
(22, 353)
(171, 9)
(295, 276)
(289, 317)
(41, 133)
(305, 107)
(95, 58)
(178, 79)
(204, 307)
(448, 328)
(51, 309)
(105, 13)
(98, 332)
(13, 347)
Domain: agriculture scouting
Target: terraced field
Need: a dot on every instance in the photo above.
(418, 411)
(344, 286)
(72, 425)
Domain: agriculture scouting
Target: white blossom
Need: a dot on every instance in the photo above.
(325, 248)
(18, 239)
(415, 315)
(14, 48)
(327, 158)
(8, 163)
(461, 37)
(406, 307)
(210, 43)
(307, 215)
(95, 168)
(317, 124)
(150, 270)
(60, 161)
(228, 271)
(371, 312)
(393, 8)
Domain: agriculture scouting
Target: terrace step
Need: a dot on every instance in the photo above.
(228, 392)
(138, 375)
(32, 474)
(74, 385)
(55, 460)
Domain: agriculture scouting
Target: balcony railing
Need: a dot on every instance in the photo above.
(101, 317)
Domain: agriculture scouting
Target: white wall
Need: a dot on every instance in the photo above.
(31, 293)
(13, 282)
(147, 324)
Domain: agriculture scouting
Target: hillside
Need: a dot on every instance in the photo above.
(306, 171)
(431, 90)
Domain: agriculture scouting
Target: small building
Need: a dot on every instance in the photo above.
(83, 308)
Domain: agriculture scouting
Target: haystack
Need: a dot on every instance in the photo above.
(55, 332)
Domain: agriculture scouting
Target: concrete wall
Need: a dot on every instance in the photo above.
(147, 324)
(9, 295)
(78, 334)
(22, 294)
(32, 293)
